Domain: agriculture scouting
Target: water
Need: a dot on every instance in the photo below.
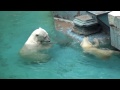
(68, 60)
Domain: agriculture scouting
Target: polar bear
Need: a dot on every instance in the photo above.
(33, 48)
(88, 47)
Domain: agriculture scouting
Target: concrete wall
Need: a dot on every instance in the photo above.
(70, 15)
(114, 21)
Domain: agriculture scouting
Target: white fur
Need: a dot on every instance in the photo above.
(88, 47)
(38, 41)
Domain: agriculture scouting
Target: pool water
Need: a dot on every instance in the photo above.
(68, 60)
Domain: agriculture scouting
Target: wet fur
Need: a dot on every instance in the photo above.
(93, 49)
(31, 51)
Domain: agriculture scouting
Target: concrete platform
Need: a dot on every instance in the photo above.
(68, 27)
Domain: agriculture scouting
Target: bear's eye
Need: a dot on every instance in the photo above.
(37, 35)
(45, 37)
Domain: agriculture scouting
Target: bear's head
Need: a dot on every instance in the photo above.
(86, 43)
(39, 36)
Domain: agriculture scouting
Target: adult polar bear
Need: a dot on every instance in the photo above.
(88, 47)
(36, 43)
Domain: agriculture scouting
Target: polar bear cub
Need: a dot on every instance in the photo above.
(88, 47)
(37, 42)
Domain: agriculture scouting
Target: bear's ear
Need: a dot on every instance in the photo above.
(40, 28)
